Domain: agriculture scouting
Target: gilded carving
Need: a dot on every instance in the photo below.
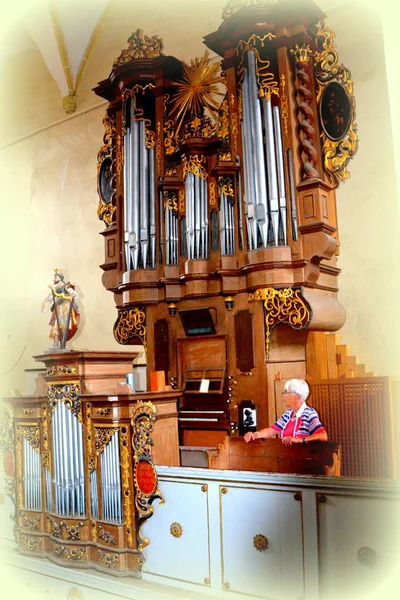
(140, 46)
(176, 530)
(226, 186)
(199, 128)
(54, 527)
(102, 412)
(73, 531)
(33, 544)
(108, 559)
(60, 370)
(106, 536)
(212, 194)
(33, 523)
(234, 125)
(72, 553)
(131, 323)
(7, 450)
(103, 436)
(260, 542)
(305, 112)
(158, 148)
(265, 77)
(92, 463)
(284, 105)
(181, 201)
(194, 165)
(126, 469)
(282, 306)
(143, 417)
(170, 201)
(336, 153)
(25, 412)
(197, 90)
(105, 207)
(31, 433)
(67, 393)
(234, 6)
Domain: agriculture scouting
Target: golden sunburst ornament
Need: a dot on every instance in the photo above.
(197, 89)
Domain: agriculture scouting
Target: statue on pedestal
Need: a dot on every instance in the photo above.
(65, 315)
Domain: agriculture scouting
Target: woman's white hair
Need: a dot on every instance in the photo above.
(298, 386)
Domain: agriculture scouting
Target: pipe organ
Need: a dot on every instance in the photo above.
(221, 177)
(80, 461)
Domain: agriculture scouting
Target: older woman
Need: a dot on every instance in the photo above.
(299, 424)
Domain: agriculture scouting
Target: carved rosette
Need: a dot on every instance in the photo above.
(336, 152)
(282, 306)
(108, 559)
(143, 417)
(305, 112)
(131, 323)
(67, 393)
(140, 46)
(105, 175)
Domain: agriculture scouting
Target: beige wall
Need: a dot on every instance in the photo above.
(49, 198)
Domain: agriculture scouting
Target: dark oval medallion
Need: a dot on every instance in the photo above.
(105, 180)
(335, 111)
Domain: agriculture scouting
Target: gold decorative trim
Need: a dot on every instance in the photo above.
(46, 461)
(284, 105)
(194, 165)
(170, 201)
(126, 469)
(282, 306)
(54, 527)
(260, 542)
(181, 201)
(140, 46)
(73, 553)
(106, 210)
(60, 370)
(336, 154)
(108, 559)
(234, 125)
(32, 544)
(204, 487)
(158, 149)
(226, 186)
(265, 78)
(143, 417)
(176, 530)
(199, 128)
(102, 412)
(224, 490)
(31, 523)
(103, 436)
(25, 412)
(301, 53)
(67, 393)
(92, 463)
(235, 6)
(31, 433)
(131, 323)
(212, 194)
(106, 536)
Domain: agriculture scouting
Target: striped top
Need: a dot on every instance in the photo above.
(307, 422)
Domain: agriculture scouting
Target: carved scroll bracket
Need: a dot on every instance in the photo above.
(282, 306)
(130, 324)
(143, 417)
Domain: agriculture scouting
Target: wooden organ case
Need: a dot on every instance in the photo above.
(217, 190)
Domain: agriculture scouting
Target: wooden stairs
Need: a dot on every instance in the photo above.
(327, 358)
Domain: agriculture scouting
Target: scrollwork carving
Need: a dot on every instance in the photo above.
(103, 436)
(106, 536)
(33, 544)
(194, 165)
(140, 46)
(33, 523)
(126, 470)
(338, 152)
(108, 559)
(67, 393)
(72, 553)
(131, 323)
(282, 306)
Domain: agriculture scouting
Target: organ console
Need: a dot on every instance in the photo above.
(219, 200)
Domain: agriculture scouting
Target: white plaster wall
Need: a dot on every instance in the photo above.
(48, 163)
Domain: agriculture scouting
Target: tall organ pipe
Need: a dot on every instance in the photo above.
(281, 171)
(134, 189)
(152, 209)
(259, 162)
(271, 162)
(128, 197)
(249, 168)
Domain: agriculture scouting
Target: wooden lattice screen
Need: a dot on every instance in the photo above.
(358, 413)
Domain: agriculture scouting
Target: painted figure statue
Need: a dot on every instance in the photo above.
(65, 315)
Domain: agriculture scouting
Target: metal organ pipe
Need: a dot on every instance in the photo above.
(292, 195)
(31, 477)
(111, 481)
(271, 163)
(248, 152)
(281, 171)
(68, 466)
